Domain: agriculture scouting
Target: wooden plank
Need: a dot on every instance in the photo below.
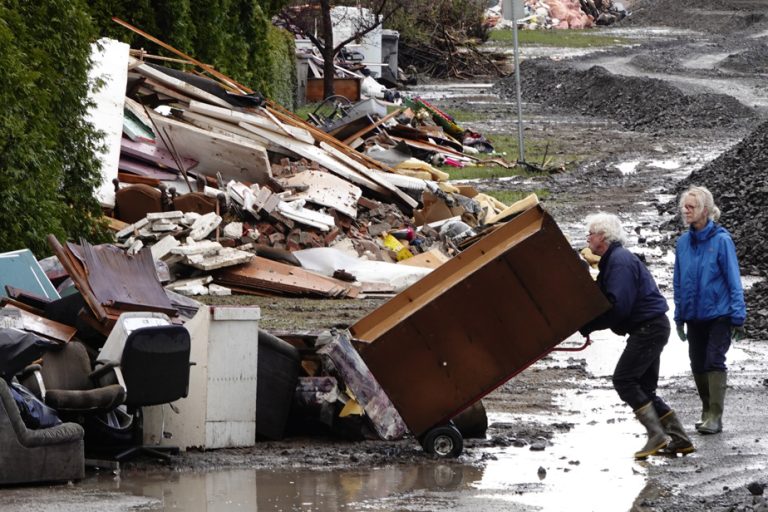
(318, 155)
(75, 270)
(145, 171)
(264, 274)
(218, 126)
(365, 161)
(179, 85)
(208, 69)
(368, 128)
(347, 87)
(370, 174)
(153, 153)
(262, 121)
(45, 327)
(156, 87)
(235, 157)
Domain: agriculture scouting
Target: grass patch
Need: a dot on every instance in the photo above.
(541, 153)
(472, 173)
(466, 116)
(512, 196)
(585, 38)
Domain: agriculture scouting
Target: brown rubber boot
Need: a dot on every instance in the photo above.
(680, 442)
(714, 422)
(657, 438)
(702, 386)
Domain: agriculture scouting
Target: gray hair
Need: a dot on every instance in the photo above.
(703, 199)
(609, 225)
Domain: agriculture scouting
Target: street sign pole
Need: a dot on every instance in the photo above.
(517, 13)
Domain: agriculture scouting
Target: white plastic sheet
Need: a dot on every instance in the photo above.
(326, 260)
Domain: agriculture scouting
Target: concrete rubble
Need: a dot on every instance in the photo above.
(219, 192)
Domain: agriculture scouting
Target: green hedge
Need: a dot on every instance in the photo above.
(48, 166)
(234, 36)
(48, 153)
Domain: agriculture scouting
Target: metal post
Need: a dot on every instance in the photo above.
(520, 145)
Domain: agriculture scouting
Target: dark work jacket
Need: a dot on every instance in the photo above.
(629, 286)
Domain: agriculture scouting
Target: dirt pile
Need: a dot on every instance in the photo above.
(739, 182)
(637, 103)
(708, 16)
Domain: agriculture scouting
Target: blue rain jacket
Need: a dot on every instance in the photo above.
(628, 285)
(707, 281)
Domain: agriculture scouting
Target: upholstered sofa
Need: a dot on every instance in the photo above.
(46, 455)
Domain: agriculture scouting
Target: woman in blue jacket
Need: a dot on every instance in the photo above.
(709, 301)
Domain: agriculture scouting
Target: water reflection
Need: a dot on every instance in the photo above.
(223, 491)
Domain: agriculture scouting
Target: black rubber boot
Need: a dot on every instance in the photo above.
(657, 438)
(714, 422)
(680, 442)
(702, 386)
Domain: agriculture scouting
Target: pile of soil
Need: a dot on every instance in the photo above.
(737, 180)
(708, 16)
(637, 103)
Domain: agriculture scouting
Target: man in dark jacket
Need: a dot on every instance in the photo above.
(639, 310)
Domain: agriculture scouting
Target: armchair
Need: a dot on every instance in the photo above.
(52, 454)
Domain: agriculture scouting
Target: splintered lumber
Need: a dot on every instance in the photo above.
(208, 69)
(318, 155)
(262, 274)
(145, 171)
(154, 154)
(370, 127)
(288, 118)
(366, 161)
(44, 326)
(107, 267)
(235, 157)
(262, 121)
(79, 276)
(179, 85)
(218, 126)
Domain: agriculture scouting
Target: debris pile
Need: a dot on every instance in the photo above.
(260, 184)
(597, 92)
(737, 181)
(450, 56)
(562, 14)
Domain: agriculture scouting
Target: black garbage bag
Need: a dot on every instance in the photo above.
(34, 413)
(19, 349)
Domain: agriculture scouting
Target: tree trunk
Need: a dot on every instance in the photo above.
(327, 50)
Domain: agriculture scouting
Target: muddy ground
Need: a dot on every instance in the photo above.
(630, 123)
(639, 119)
(629, 132)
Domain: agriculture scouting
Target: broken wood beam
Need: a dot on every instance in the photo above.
(370, 127)
(81, 282)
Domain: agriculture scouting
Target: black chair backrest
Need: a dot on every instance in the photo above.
(155, 365)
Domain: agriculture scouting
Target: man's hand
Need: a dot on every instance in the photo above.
(737, 333)
(681, 332)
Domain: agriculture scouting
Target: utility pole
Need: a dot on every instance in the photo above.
(513, 10)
